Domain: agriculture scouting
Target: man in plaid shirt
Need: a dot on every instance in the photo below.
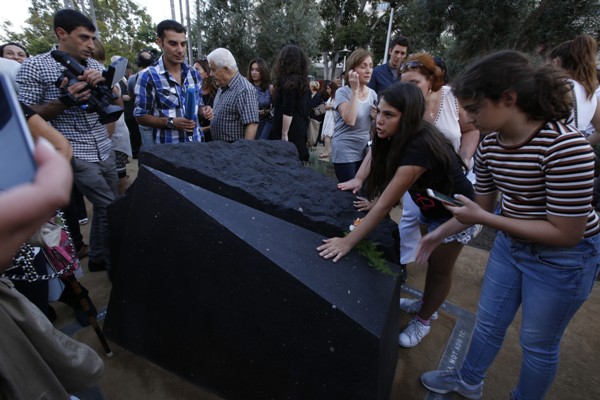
(236, 103)
(93, 158)
(160, 91)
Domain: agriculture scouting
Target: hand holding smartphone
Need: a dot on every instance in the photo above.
(444, 198)
(16, 145)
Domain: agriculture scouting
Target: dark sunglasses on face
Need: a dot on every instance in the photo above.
(411, 65)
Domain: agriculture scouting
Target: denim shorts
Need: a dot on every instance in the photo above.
(462, 237)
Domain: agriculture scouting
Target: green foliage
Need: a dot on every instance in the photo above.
(346, 25)
(38, 35)
(475, 28)
(458, 30)
(252, 29)
(123, 26)
(375, 257)
(279, 23)
(228, 23)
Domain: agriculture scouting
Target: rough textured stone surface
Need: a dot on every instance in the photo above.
(239, 301)
(267, 175)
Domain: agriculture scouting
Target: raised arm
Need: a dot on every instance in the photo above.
(403, 179)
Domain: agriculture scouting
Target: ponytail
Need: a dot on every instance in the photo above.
(578, 58)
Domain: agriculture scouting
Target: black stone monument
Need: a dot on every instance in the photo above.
(268, 176)
(238, 301)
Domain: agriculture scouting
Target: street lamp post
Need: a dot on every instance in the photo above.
(345, 51)
(392, 5)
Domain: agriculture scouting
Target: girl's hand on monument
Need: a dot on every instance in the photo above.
(335, 248)
(363, 204)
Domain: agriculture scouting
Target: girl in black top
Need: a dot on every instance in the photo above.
(410, 154)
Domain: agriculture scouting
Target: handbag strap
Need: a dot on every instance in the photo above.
(23, 259)
(576, 119)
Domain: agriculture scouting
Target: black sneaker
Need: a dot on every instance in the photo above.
(96, 266)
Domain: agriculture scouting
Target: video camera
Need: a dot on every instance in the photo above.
(102, 96)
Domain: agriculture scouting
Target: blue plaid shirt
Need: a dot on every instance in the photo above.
(157, 93)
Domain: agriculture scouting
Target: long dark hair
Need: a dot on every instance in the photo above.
(263, 69)
(578, 58)
(386, 153)
(334, 87)
(542, 93)
(291, 69)
(208, 82)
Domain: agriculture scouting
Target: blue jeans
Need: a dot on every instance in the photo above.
(550, 284)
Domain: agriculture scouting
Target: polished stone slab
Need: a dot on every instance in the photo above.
(238, 301)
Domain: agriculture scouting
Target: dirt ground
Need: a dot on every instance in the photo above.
(128, 376)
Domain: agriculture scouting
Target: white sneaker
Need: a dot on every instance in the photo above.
(413, 333)
(413, 306)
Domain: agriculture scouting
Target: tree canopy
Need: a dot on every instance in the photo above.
(252, 29)
(124, 27)
(458, 30)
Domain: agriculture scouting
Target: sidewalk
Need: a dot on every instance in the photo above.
(130, 377)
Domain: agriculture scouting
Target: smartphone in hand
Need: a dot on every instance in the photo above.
(444, 198)
(17, 164)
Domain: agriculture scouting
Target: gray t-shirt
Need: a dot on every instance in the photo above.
(349, 143)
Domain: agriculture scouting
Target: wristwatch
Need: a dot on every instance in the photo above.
(170, 124)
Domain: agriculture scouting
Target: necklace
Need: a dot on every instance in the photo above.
(431, 104)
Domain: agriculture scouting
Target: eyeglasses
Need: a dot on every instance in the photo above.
(411, 65)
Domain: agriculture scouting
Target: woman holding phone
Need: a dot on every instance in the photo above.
(410, 155)
(546, 252)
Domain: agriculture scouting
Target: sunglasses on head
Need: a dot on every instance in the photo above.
(410, 65)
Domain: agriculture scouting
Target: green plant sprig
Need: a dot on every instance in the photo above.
(374, 256)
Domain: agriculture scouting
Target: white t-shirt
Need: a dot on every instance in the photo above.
(447, 118)
(585, 109)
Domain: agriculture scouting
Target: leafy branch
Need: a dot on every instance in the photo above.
(374, 257)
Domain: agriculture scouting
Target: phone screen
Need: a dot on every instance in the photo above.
(444, 198)
(16, 146)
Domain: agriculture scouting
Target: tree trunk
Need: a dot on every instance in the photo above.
(173, 9)
(93, 15)
(330, 62)
(198, 33)
(69, 4)
(181, 12)
(189, 33)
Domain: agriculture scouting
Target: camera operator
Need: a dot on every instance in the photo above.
(65, 107)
